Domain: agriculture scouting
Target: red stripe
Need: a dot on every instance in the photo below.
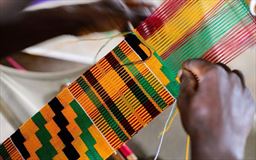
(191, 31)
(154, 22)
(236, 41)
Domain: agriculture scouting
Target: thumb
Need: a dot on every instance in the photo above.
(188, 81)
(188, 87)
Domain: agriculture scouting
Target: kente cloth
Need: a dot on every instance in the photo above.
(108, 104)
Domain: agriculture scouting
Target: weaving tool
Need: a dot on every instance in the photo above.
(115, 98)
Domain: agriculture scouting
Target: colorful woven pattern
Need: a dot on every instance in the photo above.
(217, 30)
(98, 112)
(134, 83)
(121, 99)
(61, 130)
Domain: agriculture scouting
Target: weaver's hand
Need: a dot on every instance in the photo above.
(107, 15)
(41, 25)
(116, 13)
(216, 110)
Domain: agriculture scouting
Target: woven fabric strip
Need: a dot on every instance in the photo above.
(135, 82)
(98, 112)
(217, 30)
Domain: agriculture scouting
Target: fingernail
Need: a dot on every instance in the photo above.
(179, 73)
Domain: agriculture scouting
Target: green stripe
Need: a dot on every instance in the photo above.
(204, 39)
(173, 86)
(4, 153)
(141, 79)
(112, 123)
(103, 110)
(84, 122)
(208, 35)
(245, 5)
(47, 151)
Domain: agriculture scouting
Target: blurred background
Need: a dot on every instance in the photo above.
(30, 78)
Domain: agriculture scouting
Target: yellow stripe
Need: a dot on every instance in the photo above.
(102, 102)
(101, 145)
(60, 156)
(187, 148)
(80, 147)
(47, 113)
(86, 104)
(65, 97)
(32, 143)
(134, 57)
(72, 127)
(52, 128)
(176, 27)
(56, 142)
(156, 66)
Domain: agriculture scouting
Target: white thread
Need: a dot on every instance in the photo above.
(101, 48)
(165, 127)
(252, 7)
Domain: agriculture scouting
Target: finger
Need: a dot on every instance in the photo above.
(188, 87)
(240, 75)
(188, 81)
(133, 12)
(139, 14)
(138, 18)
(197, 66)
(225, 67)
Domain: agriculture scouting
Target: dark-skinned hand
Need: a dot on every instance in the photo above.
(216, 110)
(23, 29)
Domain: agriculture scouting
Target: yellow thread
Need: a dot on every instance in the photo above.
(177, 26)
(143, 41)
(169, 124)
(187, 148)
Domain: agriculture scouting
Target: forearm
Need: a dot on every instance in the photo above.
(30, 28)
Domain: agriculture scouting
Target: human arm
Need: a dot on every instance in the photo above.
(29, 28)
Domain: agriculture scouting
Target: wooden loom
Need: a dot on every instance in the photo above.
(115, 98)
